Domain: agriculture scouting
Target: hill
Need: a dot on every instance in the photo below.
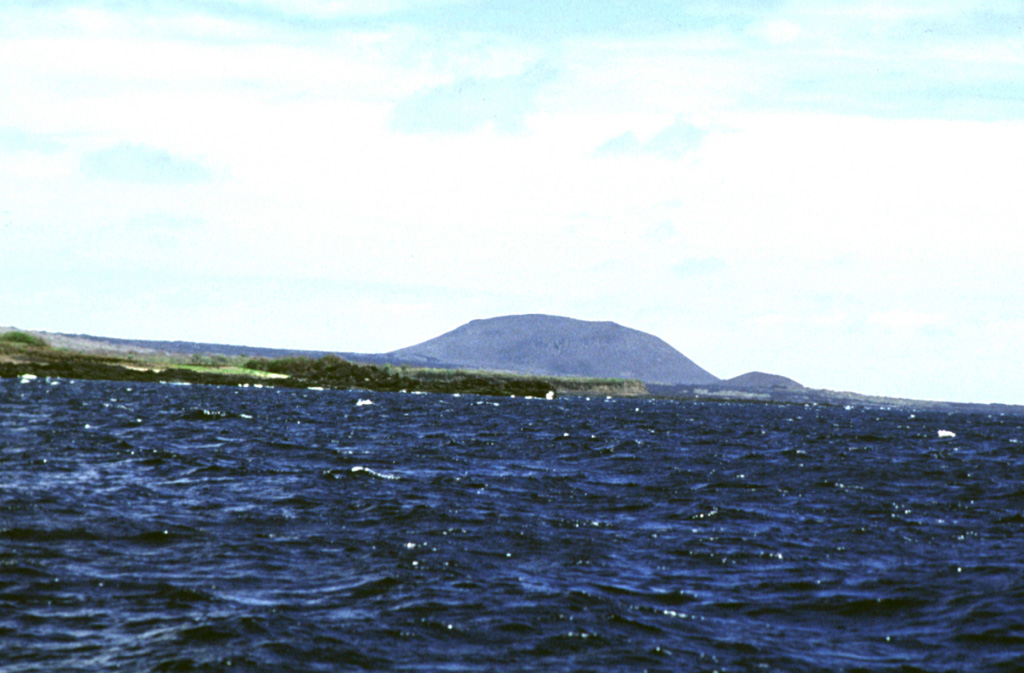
(761, 381)
(555, 346)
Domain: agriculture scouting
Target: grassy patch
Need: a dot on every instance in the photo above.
(227, 370)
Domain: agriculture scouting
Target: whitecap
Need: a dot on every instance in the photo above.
(380, 475)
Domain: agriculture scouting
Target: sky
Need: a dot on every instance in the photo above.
(829, 191)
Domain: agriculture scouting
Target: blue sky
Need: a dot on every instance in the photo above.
(823, 190)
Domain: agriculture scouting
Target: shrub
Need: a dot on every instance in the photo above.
(23, 338)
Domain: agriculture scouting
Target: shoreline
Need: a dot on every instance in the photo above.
(330, 371)
(88, 358)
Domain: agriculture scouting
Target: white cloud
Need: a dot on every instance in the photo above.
(138, 163)
(778, 32)
(19, 140)
(672, 142)
(342, 8)
(465, 105)
(908, 321)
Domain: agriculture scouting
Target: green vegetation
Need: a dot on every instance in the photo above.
(563, 385)
(23, 338)
(225, 365)
(165, 360)
(22, 353)
(227, 370)
(333, 371)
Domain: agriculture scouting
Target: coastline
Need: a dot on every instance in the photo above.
(18, 359)
(80, 357)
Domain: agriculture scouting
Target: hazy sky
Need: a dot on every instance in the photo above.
(831, 191)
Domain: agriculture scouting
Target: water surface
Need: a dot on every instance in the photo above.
(181, 528)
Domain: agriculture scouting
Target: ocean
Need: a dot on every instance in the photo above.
(157, 527)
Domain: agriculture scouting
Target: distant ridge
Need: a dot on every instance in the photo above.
(555, 346)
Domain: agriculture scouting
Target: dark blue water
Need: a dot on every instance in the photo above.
(202, 528)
